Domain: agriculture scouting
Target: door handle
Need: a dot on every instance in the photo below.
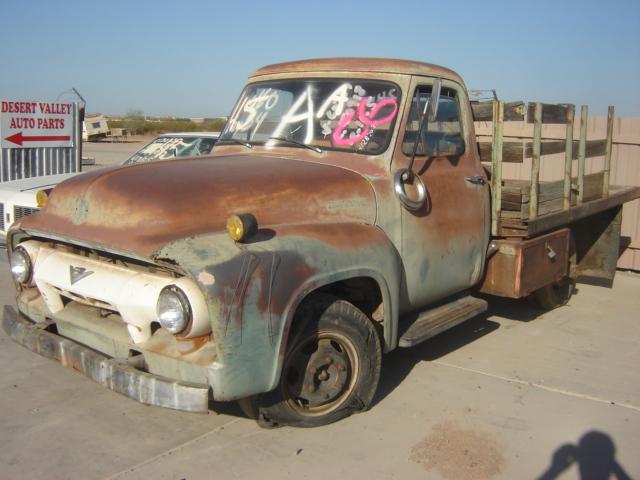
(476, 180)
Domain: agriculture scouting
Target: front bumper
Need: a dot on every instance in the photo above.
(116, 375)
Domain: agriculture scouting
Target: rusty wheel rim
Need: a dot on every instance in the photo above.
(320, 373)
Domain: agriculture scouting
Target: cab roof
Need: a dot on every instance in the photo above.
(354, 64)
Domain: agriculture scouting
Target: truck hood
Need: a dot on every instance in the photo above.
(142, 207)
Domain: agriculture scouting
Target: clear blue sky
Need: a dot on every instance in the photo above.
(191, 58)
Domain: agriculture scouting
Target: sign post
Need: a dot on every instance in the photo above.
(31, 124)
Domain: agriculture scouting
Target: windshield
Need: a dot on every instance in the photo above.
(164, 148)
(338, 114)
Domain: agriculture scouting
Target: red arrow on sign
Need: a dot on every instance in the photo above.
(19, 138)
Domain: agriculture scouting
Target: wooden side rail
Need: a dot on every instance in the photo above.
(499, 151)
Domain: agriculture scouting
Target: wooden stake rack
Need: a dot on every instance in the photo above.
(525, 208)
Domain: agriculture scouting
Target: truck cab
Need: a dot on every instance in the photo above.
(363, 116)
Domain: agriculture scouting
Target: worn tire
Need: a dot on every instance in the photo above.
(330, 370)
(554, 295)
(557, 294)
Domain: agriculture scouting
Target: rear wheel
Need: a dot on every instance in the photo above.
(554, 295)
(331, 368)
(558, 293)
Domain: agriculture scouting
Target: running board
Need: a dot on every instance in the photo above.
(436, 320)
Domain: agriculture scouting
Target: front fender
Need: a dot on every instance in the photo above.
(254, 288)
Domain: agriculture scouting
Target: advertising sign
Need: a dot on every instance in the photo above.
(29, 124)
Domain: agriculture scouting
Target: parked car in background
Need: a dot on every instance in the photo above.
(20, 198)
(172, 145)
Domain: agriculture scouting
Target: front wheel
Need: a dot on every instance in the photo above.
(331, 367)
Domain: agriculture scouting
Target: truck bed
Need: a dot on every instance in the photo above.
(513, 218)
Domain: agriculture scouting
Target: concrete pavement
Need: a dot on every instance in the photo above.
(497, 397)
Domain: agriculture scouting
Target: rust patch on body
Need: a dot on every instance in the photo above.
(268, 277)
(458, 454)
(206, 279)
(340, 236)
(199, 350)
(142, 207)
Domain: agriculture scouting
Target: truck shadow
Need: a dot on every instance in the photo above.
(520, 310)
(397, 365)
(231, 409)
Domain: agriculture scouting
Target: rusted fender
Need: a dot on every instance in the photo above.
(253, 290)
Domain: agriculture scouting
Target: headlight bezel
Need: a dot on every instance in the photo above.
(22, 252)
(184, 326)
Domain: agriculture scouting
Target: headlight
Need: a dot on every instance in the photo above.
(173, 309)
(21, 265)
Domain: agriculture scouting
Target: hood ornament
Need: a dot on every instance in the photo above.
(78, 273)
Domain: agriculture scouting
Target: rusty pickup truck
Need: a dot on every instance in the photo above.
(346, 211)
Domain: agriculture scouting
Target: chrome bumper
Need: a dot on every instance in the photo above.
(116, 375)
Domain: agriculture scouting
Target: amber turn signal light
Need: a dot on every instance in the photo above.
(41, 198)
(241, 226)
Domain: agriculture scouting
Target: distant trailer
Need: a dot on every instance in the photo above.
(95, 128)
(118, 135)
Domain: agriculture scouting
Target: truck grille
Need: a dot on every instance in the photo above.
(1, 216)
(92, 302)
(20, 212)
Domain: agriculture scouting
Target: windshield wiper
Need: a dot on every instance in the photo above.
(235, 141)
(295, 142)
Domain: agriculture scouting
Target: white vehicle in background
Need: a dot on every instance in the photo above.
(20, 198)
(172, 145)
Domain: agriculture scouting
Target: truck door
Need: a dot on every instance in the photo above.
(444, 241)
